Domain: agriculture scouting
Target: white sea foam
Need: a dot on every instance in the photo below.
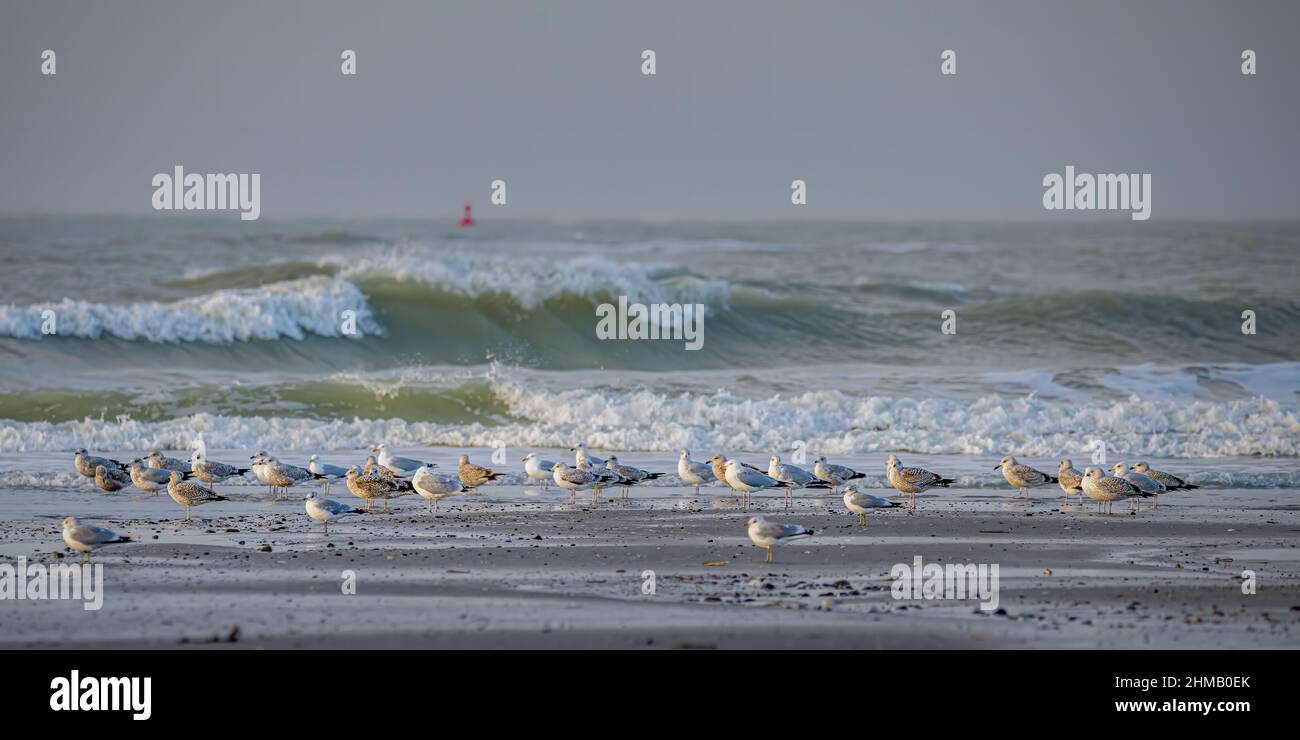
(531, 280)
(291, 309)
(829, 421)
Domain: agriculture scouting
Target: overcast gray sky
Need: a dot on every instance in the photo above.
(748, 96)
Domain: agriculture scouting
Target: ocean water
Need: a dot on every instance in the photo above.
(821, 335)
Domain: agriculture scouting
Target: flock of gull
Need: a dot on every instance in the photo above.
(383, 476)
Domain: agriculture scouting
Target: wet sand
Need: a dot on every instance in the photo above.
(521, 567)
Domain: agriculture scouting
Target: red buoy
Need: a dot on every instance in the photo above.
(467, 220)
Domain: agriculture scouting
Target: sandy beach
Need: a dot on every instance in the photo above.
(516, 566)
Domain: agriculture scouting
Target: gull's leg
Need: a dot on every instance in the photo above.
(1155, 502)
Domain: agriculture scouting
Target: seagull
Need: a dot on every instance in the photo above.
(473, 475)
(371, 487)
(327, 473)
(1107, 489)
(284, 476)
(746, 480)
(718, 464)
(630, 475)
(190, 494)
(111, 479)
(836, 475)
(1070, 481)
(85, 539)
(260, 465)
(1144, 483)
(372, 467)
(538, 469)
(792, 477)
(1022, 477)
(912, 480)
(433, 487)
(211, 471)
(693, 473)
(403, 466)
(580, 453)
(603, 475)
(769, 534)
(326, 510)
(856, 501)
(1172, 482)
(573, 479)
(158, 460)
(86, 462)
(149, 479)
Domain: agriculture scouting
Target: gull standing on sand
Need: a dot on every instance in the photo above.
(433, 487)
(912, 480)
(326, 472)
(403, 466)
(473, 475)
(792, 477)
(858, 501)
(158, 460)
(1144, 483)
(1107, 489)
(718, 464)
(85, 539)
(604, 476)
(538, 469)
(573, 479)
(580, 455)
(746, 480)
(111, 479)
(629, 475)
(285, 476)
(769, 534)
(693, 473)
(1070, 481)
(259, 467)
(1022, 477)
(326, 510)
(371, 487)
(149, 479)
(86, 462)
(836, 475)
(1172, 482)
(190, 494)
(372, 467)
(211, 471)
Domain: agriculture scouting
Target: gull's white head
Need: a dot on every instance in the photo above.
(380, 448)
(1141, 467)
(1008, 460)
(1093, 473)
(528, 457)
(352, 471)
(611, 461)
(891, 461)
(79, 451)
(175, 477)
(685, 453)
(463, 459)
(313, 458)
(557, 467)
(1119, 469)
(69, 522)
(760, 519)
(774, 460)
(1065, 464)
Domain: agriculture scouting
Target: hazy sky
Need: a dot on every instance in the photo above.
(748, 96)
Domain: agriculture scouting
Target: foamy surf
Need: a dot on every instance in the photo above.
(287, 310)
